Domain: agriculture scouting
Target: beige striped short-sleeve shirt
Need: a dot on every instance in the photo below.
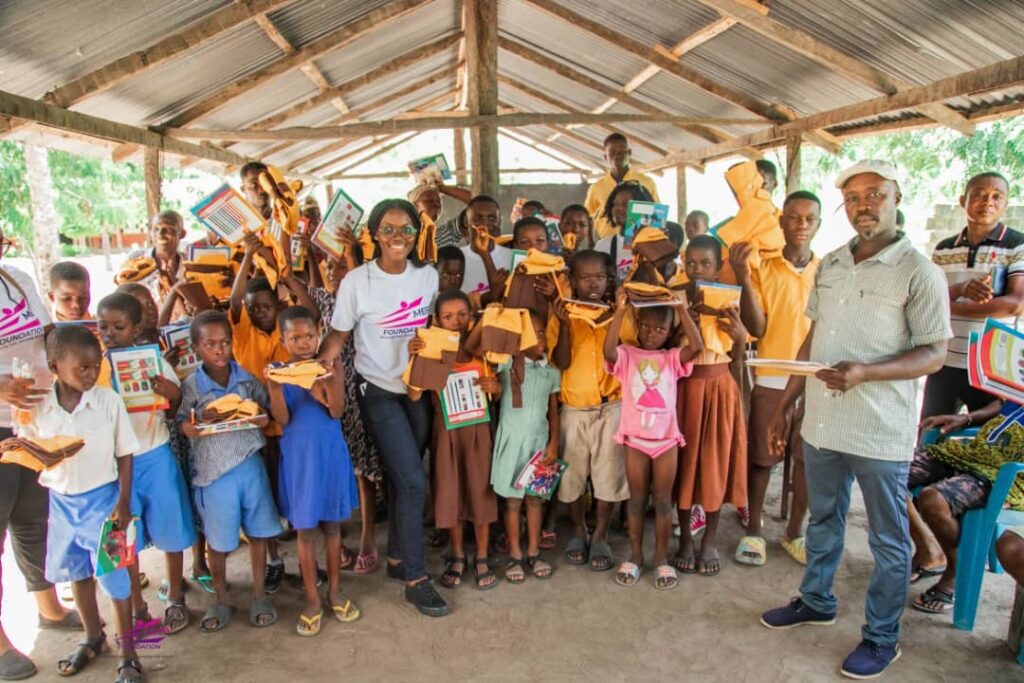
(870, 312)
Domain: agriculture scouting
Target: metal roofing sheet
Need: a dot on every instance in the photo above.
(541, 78)
(919, 41)
(413, 101)
(651, 21)
(170, 88)
(399, 79)
(43, 47)
(430, 22)
(278, 94)
(303, 22)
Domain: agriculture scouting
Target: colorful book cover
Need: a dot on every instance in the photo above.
(228, 426)
(517, 257)
(228, 214)
(538, 479)
(298, 249)
(553, 224)
(1002, 357)
(91, 325)
(463, 403)
(343, 214)
(131, 370)
(200, 254)
(118, 548)
(177, 336)
(430, 169)
(640, 215)
(719, 296)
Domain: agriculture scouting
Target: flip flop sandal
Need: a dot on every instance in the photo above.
(262, 607)
(348, 559)
(484, 576)
(752, 551)
(346, 612)
(72, 621)
(163, 590)
(217, 612)
(86, 651)
(143, 580)
(15, 666)
(576, 546)
(516, 569)
(205, 582)
(628, 574)
(451, 578)
(926, 573)
(548, 540)
(309, 626)
(176, 617)
(600, 550)
(944, 599)
(366, 564)
(678, 561)
(129, 671)
(703, 564)
(666, 577)
(540, 569)
(797, 549)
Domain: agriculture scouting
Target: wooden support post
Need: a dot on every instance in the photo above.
(681, 194)
(151, 172)
(330, 194)
(792, 163)
(460, 156)
(482, 79)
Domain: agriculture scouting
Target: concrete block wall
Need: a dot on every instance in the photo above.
(948, 219)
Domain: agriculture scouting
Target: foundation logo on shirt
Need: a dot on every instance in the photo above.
(404, 321)
(17, 322)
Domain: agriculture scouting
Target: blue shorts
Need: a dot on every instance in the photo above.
(73, 536)
(240, 499)
(161, 501)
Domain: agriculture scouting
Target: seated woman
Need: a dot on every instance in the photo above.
(958, 476)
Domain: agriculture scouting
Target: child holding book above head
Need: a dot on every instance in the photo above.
(230, 484)
(159, 495)
(528, 423)
(318, 488)
(256, 342)
(461, 487)
(85, 490)
(590, 406)
(713, 467)
(648, 427)
(614, 214)
(69, 291)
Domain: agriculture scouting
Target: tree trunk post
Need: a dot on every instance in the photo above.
(681, 194)
(45, 224)
(792, 164)
(482, 74)
(151, 172)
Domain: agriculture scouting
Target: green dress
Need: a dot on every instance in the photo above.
(521, 431)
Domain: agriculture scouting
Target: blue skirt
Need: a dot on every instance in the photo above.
(161, 500)
(316, 482)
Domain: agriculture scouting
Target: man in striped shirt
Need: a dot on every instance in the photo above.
(983, 264)
(880, 320)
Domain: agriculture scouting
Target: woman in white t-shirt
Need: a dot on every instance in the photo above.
(382, 303)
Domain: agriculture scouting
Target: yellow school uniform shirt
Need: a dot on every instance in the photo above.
(254, 349)
(585, 384)
(783, 291)
(598, 193)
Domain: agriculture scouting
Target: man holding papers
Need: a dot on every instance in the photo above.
(772, 308)
(879, 312)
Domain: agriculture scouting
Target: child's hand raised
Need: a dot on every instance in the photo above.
(739, 259)
(545, 286)
(480, 242)
(252, 243)
(416, 345)
(733, 326)
(561, 311)
(621, 300)
(682, 304)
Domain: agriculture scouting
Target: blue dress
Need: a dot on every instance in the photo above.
(316, 482)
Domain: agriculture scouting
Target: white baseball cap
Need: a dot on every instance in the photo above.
(876, 166)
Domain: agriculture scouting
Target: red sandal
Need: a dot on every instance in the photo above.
(366, 564)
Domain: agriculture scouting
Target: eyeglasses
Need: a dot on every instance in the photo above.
(391, 231)
(873, 198)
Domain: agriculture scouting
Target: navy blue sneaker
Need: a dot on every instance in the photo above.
(796, 613)
(870, 660)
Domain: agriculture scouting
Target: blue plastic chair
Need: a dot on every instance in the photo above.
(979, 530)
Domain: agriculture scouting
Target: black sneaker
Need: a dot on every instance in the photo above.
(796, 613)
(395, 572)
(321, 577)
(427, 600)
(869, 660)
(272, 577)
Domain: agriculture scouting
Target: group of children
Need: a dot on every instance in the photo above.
(624, 373)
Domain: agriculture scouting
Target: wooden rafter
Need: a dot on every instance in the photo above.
(387, 69)
(754, 16)
(334, 40)
(373, 155)
(998, 76)
(591, 164)
(370, 144)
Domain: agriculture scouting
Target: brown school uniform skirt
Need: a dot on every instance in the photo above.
(461, 475)
(713, 466)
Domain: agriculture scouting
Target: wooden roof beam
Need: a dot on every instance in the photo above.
(340, 174)
(575, 160)
(1001, 75)
(754, 17)
(368, 23)
(370, 144)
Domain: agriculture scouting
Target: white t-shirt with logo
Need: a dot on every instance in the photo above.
(23, 315)
(476, 275)
(623, 255)
(384, 311)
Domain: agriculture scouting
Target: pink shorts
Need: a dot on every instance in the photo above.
(651, 447)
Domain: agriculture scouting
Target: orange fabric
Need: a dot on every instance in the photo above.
(254, 350)
(426, 246)
(716, 340)
(757, 221)
(783, 293)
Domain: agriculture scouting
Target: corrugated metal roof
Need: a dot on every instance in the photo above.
(914, 40)
(43, 47)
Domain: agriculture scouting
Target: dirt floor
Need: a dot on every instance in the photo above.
(577, 625)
